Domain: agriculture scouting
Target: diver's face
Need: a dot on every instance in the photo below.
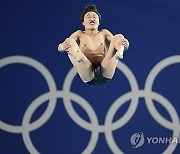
(91, 21)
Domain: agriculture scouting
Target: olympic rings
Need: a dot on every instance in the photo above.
(93, 126)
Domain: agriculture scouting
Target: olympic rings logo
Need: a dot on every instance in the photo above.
(93, 126)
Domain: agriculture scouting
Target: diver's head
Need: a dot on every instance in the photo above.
(90, 17)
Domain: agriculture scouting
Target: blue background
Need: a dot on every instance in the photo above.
(35, 28)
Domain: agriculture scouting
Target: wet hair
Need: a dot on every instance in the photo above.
(90, 8)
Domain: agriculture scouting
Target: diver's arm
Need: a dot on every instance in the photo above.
(64, 46)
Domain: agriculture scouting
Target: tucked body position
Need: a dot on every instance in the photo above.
(94, 53)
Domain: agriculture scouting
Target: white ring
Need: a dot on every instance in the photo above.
(49, 79)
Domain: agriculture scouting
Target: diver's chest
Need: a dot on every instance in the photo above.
(92, 43)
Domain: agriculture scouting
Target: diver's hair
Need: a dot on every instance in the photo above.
(90, 8)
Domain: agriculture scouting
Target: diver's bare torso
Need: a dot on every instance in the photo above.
(93, 47)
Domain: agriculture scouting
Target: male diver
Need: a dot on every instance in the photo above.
(94, 53)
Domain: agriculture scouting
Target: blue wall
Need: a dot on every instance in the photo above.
(46, 108)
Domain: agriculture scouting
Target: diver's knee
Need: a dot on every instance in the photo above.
(118, 40)
(118, 37)
(70, 41)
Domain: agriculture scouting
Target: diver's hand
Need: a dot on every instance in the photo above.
(125, 43)
(66, 45)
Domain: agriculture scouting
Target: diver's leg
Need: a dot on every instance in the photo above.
(80, 62)
(110, 61)
(74, 50)
(84, 69)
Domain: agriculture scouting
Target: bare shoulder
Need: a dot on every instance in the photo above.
(76, 34)
(107, 34)
(105, 31)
